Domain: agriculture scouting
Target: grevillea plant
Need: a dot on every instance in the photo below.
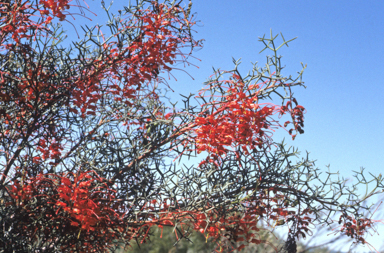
(91, 147)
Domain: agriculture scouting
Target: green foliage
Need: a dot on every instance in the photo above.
(197, 243)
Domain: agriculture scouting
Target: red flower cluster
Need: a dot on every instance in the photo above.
(50, 151)
(83, 204)
(355, 228)
(56, 6)
(128, 67)
(17, 21)
(297, 114)
(237, 121)
(83, 201)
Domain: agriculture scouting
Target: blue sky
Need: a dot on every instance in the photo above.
(340, 41)
(342, 44)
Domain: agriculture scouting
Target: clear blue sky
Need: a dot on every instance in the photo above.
(342, 44)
